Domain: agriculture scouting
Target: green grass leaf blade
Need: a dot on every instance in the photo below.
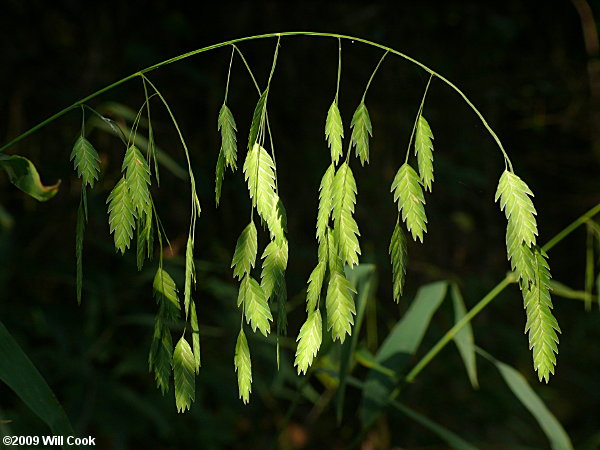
(86, 161)
(424, 152)
(334, 132)
(244, 256)
(363, 280)
(449, 437)
(362, 130)
(409, 195)
(399, 346)
(184, 369)
(556, 434)
(22, 377)
(23, 174)
(464, 340)
(243, 367)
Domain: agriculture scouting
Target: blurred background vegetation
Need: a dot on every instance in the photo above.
(525, 65)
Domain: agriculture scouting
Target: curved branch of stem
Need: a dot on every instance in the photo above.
(250, 38)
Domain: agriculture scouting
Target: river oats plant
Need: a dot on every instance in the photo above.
(134, 221)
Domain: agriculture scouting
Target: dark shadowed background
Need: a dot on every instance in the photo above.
(525, 66)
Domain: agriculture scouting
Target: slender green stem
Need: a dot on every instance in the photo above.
(82, 121)
(151, 151)
(572, 227)
(412, 134)
(458, 326)
(229, 73)
(373, 75)
(250, 38)
(589, 268)
(111, 123)
(195, 202)
(339, 72)
(248, 67)
(274, 62)
(510, 278)
(492, 294)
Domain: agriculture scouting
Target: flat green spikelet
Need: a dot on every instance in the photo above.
(257, 119)
(398, 255)
(246, 247)
(515, 201)
(521, 230)
(275, 259)
(243, 367)
(259, 172)
(277, 224)
(121, 215)
(195, 336)
(309, 341)
(334, 261)
(226, 125)
(184, 369)
(160, 359)
(346, 229)
(165, 291)
(219, 175)
(323, 250)
(362, 130)
(541, 324)
(315, 285)
(521, 258)
(325, 201)
(190, 273)
(136, 170)
(340, 306)
(140, 246)
(334, 132)
(409, 195)
(424, 152)
(256, 306)
(86, 161)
